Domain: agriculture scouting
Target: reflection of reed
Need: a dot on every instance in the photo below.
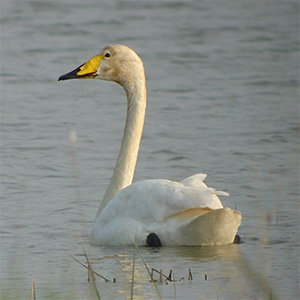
(133, 269)
(213, 253)
(238, 272)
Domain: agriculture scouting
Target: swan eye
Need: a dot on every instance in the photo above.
(107, 55)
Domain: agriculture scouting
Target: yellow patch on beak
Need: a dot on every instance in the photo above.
(89, 69)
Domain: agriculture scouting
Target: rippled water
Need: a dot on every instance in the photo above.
(223, 99)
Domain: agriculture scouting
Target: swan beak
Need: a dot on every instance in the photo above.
(85, 71)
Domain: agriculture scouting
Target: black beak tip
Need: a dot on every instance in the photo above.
(64, 77)
(70, 75)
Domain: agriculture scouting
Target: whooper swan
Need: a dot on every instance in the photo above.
(150, 212)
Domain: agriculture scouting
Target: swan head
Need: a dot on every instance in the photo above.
(116, 63)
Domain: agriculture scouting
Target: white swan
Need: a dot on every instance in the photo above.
(151, 212)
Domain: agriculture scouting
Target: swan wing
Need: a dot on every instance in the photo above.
(196, 180)
(161, 206)
(217, 227)
(158, 199)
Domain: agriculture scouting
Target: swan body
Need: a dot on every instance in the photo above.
(186, 213)
(180, 214)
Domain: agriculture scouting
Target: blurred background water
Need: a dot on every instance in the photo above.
(223, 99)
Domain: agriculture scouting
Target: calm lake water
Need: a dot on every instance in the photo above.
(223, 99)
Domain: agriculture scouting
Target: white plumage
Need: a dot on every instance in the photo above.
(186, 213)
(165, 208)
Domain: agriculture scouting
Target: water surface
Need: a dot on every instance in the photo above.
(223, 99)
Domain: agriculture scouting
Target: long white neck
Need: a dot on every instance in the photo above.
(125, 166)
